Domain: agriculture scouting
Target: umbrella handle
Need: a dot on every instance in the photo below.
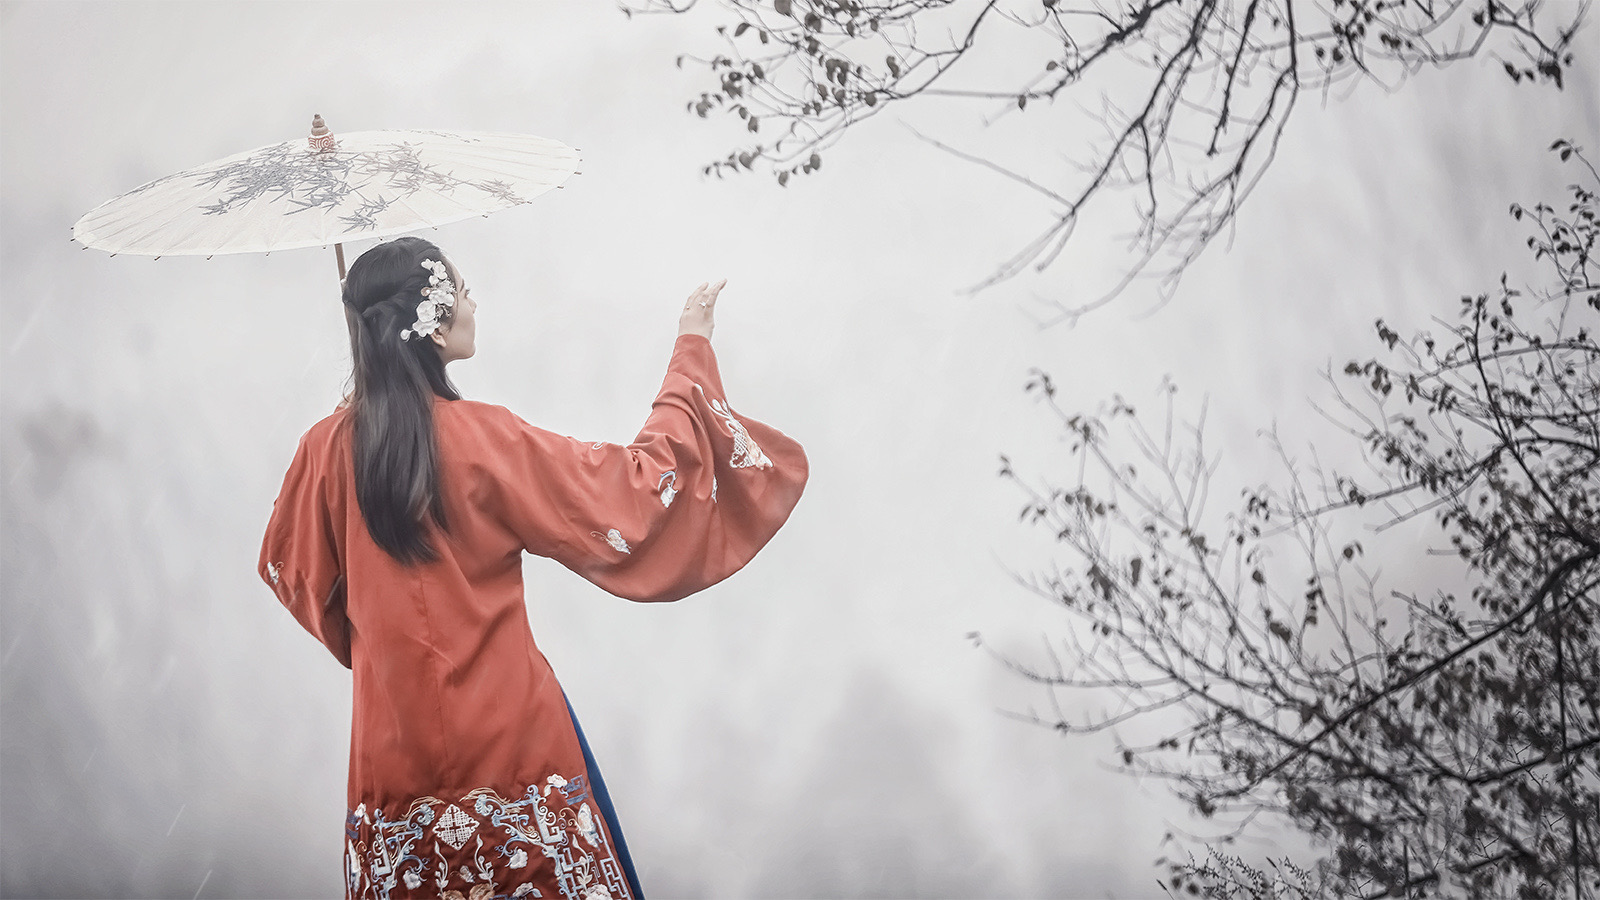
(338, 254)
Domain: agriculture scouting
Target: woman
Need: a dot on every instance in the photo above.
(397, 542)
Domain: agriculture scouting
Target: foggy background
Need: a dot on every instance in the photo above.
(819, 724)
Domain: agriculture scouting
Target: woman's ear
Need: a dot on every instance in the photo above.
(438, 334)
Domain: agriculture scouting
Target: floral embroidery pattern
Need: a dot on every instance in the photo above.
(614, 538)
(745, 451)
(550, 835)
(273, 569)
(668, 485)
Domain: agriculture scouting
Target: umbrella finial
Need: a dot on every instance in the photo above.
(321, 137)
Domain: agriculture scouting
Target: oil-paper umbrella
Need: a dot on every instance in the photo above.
(326, 190)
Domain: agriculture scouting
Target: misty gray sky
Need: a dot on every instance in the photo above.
(817, 725)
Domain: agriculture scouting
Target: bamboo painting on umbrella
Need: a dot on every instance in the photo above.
(326, 190)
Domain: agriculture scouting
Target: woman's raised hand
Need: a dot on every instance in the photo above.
(700, 309)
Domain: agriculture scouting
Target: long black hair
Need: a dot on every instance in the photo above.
(395, 448)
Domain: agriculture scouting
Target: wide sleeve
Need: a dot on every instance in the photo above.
(300, 556)
(688, 503)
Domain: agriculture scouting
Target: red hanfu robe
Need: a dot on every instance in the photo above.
(467, 776)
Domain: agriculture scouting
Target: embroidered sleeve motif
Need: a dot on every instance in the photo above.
(614, 538)
(745, 451)
(668, 485)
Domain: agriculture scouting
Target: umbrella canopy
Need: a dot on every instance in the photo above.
(366, 184)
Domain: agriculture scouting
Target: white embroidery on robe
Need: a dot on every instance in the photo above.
(586, 825)
(597, 445)
(483, 873)
(713, 489)
(554, 822)
(614, 538)
(441, 877)
(455, 827)
(668, 485)
(745, 451)
(352, 866)
(272, 571)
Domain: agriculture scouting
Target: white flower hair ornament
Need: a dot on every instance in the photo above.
(438, 298)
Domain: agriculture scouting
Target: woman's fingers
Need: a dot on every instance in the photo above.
(705, 294)
(698, 309)
(697, 295)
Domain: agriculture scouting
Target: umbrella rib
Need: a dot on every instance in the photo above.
(141, 230)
